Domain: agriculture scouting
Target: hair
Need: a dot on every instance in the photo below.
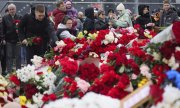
(59, 2)
(65, 19)
(40, 8)
(110, 10)
(11, 5)
(101, 12)
(6, 10)
(166, 2)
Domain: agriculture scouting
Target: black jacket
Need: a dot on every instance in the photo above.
(101, 25)
(143, 19)
(9, 28)
(167, 18)
(30, 27)
(1, 31)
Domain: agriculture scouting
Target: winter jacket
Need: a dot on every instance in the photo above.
(72, 12)
(63, 32)
(167, 18)
(89, 23)
(143, 19)
(124, 20)
(101, 25)
(30, 27)
(9, 28)
(58, 16)
(80, 24)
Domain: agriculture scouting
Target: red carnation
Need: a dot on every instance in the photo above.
(106, 68)
(88, 72)
(123, 82)
(70, 67)
(156, 92)
(15, 80)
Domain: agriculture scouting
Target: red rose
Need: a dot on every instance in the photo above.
(16, 21)
(167, 49)
(15, 80)
(37, 40)
(45, 98)
(156, 92)
(52, 97)
(39, 73)
(176, 31)
(177, 55)
(30, 90)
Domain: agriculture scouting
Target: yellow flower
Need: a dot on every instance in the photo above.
(49, 69)
(80, 35)
(140, 85)
(92, 36)
(22, 100)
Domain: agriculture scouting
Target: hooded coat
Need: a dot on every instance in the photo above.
(143, 19)
(89, 25)
(124, 19)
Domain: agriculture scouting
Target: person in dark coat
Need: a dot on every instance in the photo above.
(59, 13)
(89, 23)
(13, 47)
(101, 23)
(168, 15)
(36, 25)
(2, 48)
(144, 19)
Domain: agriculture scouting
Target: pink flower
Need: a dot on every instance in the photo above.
(145, 71)
(134, 76)
(82, 84)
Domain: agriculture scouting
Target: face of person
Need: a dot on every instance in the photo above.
(80, 15)
(68, 4)
(39, 15)
(62, 7)
(166, 6)
(12, 10)
(69, 24)
(102, 15)
(120, 12)
(145, 11)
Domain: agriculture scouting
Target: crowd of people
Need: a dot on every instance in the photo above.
(65, 22)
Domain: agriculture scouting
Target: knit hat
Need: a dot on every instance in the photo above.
(120, 7)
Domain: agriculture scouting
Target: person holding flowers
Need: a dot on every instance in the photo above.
(10, 24)
(35, 30)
